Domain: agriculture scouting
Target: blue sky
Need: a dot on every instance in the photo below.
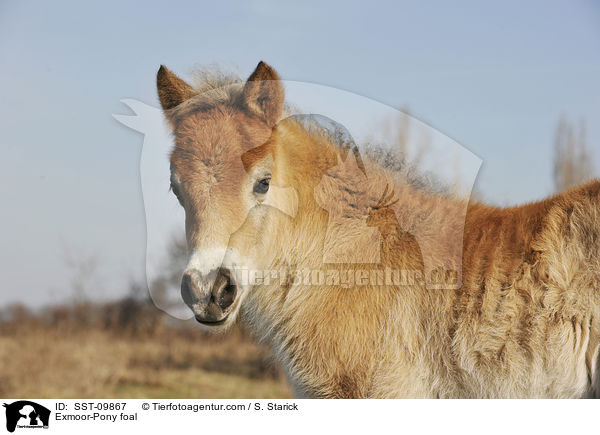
(494, 77)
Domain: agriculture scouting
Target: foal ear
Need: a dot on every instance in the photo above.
(263, 94)
(172, 91)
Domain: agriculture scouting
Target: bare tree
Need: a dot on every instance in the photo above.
(572, 157)
(396, 133)
(174, 264)
(84, 268)
(406, 147)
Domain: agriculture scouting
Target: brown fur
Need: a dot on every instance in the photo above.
(524, 323)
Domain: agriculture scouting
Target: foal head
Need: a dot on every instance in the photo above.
(219, 173)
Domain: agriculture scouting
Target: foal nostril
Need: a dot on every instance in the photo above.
(209, 295)
(225, 289)
(189, 287)
(226, 296)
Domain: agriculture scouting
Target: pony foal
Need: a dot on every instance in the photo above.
(259, 194)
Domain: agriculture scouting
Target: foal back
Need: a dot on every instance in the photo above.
(526, 322)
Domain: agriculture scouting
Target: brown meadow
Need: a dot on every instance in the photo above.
(86, 352)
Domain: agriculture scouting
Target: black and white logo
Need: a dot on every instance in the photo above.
(25, 414)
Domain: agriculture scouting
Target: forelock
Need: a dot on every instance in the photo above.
(213, 87)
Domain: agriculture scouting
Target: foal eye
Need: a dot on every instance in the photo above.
(262, 186)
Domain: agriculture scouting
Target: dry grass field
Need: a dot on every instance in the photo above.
(99, 352)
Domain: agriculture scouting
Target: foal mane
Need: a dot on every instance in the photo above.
(212, 87)
(339, 138)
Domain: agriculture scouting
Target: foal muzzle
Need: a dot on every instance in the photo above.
(211, 297)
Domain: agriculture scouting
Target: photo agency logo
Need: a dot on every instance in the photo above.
(328, 189)
(25, 414)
